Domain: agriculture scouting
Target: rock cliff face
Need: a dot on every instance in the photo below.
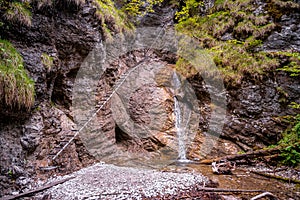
(66, 35)
(27, 139)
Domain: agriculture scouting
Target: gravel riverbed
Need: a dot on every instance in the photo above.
(105, 181)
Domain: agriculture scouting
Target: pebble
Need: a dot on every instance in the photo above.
(107, 181)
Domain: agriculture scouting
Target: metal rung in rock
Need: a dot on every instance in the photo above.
(100, 106)
(69, 136)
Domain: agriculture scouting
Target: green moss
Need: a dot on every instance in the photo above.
(16, 88)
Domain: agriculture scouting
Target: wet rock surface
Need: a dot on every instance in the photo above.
(27, 138)
(287, 38)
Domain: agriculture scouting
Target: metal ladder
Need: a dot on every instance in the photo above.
(63, 144)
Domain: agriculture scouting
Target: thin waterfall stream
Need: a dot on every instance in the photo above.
(178, 121)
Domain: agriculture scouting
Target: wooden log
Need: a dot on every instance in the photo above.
(254, 154)
(29, 193)
(207, 189)
(288, 180)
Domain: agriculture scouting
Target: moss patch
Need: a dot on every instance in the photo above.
(16, 88)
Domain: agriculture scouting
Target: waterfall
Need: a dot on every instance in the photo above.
(178, 120)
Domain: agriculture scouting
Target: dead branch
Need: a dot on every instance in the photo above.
(29, 193)
(265, 194)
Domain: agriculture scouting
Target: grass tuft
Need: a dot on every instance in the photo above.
(47, 61)
(18, 12)
(112, 19)
(43, 3)
(16, 88)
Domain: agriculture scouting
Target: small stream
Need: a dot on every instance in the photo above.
(241, 179)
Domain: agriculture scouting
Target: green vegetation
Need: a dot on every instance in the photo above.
(185, 68)
(293, 66)
(10, 173)
(232, 34)
(111, 19)
(139, 8)
(191, 8)
(16, 88)
(290, 154)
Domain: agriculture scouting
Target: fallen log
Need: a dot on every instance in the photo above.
(254, 154)
(29, 193)
(221, 190)
(288, 180)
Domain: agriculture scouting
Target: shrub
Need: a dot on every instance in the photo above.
(16, 88)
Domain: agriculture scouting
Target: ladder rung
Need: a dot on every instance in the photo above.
(70, 136)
